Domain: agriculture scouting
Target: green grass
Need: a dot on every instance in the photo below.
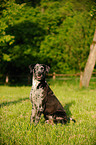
(78, 103)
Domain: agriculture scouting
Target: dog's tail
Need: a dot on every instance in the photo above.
(72, 119)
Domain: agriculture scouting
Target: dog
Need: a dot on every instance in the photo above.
(43, 99)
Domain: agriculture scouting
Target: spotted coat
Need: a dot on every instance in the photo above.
(43, 99)
(36, 97)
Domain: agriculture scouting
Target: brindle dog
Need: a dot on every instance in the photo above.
(43, 99)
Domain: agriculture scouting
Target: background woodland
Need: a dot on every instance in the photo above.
(54, 32)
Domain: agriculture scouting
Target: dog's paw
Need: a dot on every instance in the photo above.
(49, 122)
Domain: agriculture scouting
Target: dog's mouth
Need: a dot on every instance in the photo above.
(40, 76)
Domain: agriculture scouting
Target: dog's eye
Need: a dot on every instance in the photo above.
(42, 68)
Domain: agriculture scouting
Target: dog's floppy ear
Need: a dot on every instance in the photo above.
(47, 68)
(31, 67)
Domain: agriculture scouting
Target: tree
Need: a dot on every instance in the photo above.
(57, 33)
(90, 64)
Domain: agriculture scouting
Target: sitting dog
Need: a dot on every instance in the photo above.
(43, 99)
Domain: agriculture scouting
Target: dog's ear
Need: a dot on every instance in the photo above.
(47, 68)
(31, 67)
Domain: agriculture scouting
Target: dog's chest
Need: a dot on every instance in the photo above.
(37, 93)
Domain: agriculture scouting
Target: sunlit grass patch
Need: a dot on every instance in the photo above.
(78, 103)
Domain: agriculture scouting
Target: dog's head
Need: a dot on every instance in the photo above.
(39, 70)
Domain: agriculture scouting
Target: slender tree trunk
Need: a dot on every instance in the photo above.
(85, 78)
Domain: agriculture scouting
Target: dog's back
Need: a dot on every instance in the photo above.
(52, 106)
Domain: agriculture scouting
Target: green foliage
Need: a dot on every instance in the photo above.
(58, 33)
(70, 46)
(16, 108)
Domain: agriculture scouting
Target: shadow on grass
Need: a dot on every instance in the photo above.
(67, 108)
(13, 102)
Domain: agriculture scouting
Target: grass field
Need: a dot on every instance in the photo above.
(78, 103)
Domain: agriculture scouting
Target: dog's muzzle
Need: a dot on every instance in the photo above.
(39, 76)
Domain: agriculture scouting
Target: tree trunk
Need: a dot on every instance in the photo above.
(90, 64)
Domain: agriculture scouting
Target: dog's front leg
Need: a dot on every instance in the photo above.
(33, 114)
(37, 117)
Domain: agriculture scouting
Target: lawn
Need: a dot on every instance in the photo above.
(79, 104)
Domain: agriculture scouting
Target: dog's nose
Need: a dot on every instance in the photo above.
(39, 72)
